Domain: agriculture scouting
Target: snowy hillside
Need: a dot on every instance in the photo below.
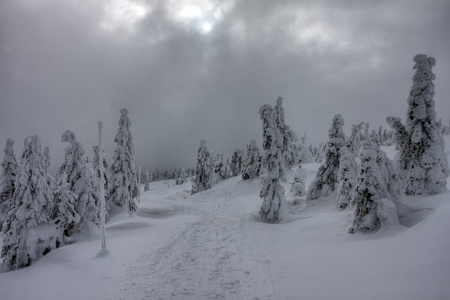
(212, 246)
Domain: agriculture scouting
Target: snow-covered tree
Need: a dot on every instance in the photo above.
(202, 179)
(123, 181)
(274, 206)
(347, 177)
(181, 177)
(253, 161)
(7, 179)
(289, 151)
(29, 231)
(297, 189)
(327, 176)
(422, 161)
(217, 165)
(96, 165)
(377, 185)
(83, 182)
(64, 212)
(354, 141)
(237, 161)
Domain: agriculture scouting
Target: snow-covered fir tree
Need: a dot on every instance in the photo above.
(147, 181)
(422, 161)
(96, 165)
(304, 155)
(289, 151)
(65, 213)
(347, 177)
(377, 185)
(327, 176)
(29, 230)
(123, 181)
(83, 182)
(7, 179)
(297, 189)
(203, 170)
(354, 141)
(237, 161)
(274, 206)
(181, 177)
(217, 165)
(253, 161)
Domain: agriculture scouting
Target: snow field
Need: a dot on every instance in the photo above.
(211, 246)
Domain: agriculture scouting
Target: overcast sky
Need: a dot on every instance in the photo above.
(192, 70)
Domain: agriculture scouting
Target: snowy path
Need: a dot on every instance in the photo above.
(216, 257)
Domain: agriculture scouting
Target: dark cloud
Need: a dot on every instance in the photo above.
(68, 65)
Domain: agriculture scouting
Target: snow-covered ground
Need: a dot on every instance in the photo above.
(212, 246)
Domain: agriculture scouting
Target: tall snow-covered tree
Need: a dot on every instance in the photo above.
(253, 161)
(289, 151)
(237, 161)
(7, 179)
(347, 177)
(83, 182)
(377, 185)
(203, 170)
(29, 230)
(274, 207)
(327, 176)
(65, 213)
(422, 161)
(123, 182)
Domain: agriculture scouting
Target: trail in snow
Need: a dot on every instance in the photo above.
(216, 257)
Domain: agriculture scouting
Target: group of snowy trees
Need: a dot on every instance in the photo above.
(40, 213)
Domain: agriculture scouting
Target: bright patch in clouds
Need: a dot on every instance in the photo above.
(122, 15)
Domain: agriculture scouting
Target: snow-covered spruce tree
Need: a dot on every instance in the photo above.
(237, 161)
(327, 176)
(289, 151)
(181, 177)
(253, 161)
(96, 165)
(7, 179)
(422, 161)
(297, 189)
(83, 182)
(217, 165)
(123, 182)
(64, 213)
(377, 185)
(274, 206)
(29, 231)
(202, 179)
(347, 177)
(354, 141)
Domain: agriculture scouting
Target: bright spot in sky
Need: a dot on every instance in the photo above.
(206, 27)
(122, 15)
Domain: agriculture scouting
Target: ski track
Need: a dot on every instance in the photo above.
(216, 257)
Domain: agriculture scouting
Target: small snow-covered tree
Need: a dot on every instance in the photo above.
(297, 189)
(202, 179)
(29, 230)
(83, 182)
(274, 207)
(327, 176)
(217, 165)
(377, 185)
(354, 141)
(123, 181)
(422, 161)
(347, 177)
(7, 179)
(181, 177)
(253, 161)
(237, 161)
